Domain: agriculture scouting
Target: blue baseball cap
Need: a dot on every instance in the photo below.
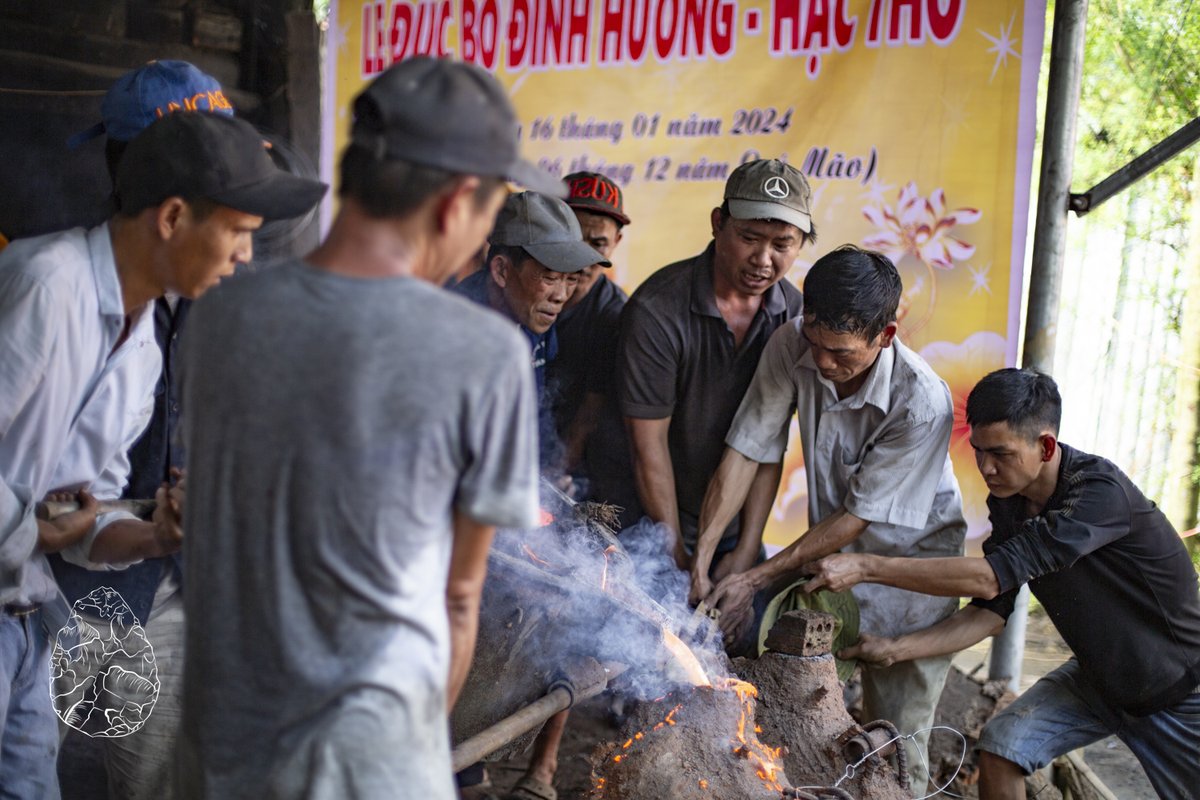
(152, 91)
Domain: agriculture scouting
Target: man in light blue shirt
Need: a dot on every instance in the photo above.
(191, 191)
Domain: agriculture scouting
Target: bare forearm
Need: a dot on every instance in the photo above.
(944, 577)
(464, 590)
(758, 505)
(828, 536)
(957, 632)
(464, 628)
(127, 540)
(727, 493)
(653, 472)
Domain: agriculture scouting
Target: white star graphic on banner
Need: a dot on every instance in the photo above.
(1002, 45)
(876, 190)
(979, 280)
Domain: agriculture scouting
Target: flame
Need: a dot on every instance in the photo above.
(544, 518)
(685, 661)
(703, 783)
(612, 548)
(764, 758)
(534, 556)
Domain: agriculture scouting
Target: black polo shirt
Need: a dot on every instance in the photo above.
(677, 359)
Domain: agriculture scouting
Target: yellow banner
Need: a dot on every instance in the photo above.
(914, 120)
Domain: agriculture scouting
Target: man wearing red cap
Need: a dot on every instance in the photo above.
(583, 378)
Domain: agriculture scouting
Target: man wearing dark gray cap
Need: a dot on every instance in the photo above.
(691, 336)
(354, 436)
(537, 253)
(74, 307)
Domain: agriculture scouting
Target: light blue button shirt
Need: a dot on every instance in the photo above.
(66, 391)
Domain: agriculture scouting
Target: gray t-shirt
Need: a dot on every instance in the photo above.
(334, 425)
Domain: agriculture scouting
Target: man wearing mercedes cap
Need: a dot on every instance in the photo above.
(691, 336)
(73, 306)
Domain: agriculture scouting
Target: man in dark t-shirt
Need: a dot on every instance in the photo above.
(691, 337)
(1108, 568)
(582, 378)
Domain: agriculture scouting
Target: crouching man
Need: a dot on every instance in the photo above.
(1108, 568)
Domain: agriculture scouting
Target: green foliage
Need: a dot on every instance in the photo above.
(1141, 82)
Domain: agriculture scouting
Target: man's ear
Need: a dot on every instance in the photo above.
(499, 266)
(1049, 445)
(618, 237)
(887, 334)
(169, 215)
(715, 217)
(456, 204)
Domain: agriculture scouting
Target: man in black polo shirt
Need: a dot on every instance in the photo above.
(1110, 571)
(691, 337)
(583, 377)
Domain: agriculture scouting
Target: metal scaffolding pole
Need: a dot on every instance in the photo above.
(1049, 244)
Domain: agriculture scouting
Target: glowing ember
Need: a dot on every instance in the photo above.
(686, 666)
(544, 518)
(534, 556)
(612, 548)
(703, 783)
(764, 758)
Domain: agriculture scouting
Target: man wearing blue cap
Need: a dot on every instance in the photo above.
(137, 764)
(74, 307)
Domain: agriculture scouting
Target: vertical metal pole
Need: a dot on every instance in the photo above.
(1049, 244)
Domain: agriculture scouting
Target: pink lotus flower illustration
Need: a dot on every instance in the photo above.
(920, 227)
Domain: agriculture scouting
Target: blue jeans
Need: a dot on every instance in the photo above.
(1061, 713)
(28, 726)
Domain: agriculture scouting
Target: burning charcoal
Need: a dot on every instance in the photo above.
(697, 742)
(803, 632)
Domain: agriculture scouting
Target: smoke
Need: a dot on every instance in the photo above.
(588, 592)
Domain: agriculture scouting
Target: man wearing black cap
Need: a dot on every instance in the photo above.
(74, 305)
(583, 377)
(137, 765)
(691, 337)
(354, 435)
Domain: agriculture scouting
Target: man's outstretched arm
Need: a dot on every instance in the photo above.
(724, 498)
(956, 632)
(464, 589)
(654, 475)
(943, 577)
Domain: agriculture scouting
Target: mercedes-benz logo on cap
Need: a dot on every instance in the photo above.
(776, 187)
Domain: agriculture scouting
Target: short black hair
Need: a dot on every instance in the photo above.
(395, 188)
(513, 252)
(852, 290)
(1026, 399)
(805, 238)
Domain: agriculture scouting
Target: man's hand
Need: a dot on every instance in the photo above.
(700, 590)
(836, 572)
(168, 516)
(67, 529)
(877, 650)
(734, 598)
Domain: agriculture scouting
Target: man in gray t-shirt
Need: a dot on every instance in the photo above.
(355, 434)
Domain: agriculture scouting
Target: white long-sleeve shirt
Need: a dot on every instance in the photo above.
(71, 402)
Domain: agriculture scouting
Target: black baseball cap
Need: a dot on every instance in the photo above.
(545, 228)
(215, 157)
(445, 114)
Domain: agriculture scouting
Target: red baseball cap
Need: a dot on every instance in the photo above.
(591, 191)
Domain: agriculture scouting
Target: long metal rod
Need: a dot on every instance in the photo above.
(1049, 245)
(510, 728)
(1137, 169)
